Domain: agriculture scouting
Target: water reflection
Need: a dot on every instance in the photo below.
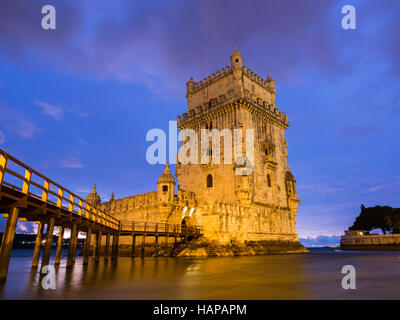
(303, 276)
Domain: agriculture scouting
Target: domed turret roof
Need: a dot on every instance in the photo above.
(236, 54)
(289, 176)
(93, 198)
(166, 177)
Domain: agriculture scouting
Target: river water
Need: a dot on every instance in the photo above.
(316, 275)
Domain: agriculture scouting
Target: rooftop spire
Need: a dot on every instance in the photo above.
(236, 60)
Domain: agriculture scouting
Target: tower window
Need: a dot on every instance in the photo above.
(266, 152)
(269, 180)
(209, 181)
(165, 188)
(237, 60)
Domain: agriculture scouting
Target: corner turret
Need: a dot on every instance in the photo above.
(93, 198)
(166, 186)
(236, 60)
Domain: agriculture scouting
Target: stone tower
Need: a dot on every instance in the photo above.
(259, 205)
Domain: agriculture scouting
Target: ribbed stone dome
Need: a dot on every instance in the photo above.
(167, 176)
(93, 198)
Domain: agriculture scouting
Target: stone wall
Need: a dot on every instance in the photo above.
(371, 242)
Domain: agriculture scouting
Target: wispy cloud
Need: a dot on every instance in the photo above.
(82, 190)
(2, 137)
(78, 111)
(355, 132)
(16, 122)
(71, 163)
(375, 188)
(50, 109)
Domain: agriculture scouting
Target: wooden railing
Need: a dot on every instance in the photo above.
(36, 185)
(162, 229)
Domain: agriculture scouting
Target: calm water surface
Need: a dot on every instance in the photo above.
(303, 276)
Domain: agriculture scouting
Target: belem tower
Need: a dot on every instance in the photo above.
(259, 207)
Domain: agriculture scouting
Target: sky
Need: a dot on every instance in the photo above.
(76, 102)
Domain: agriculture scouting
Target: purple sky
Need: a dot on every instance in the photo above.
(76, 102)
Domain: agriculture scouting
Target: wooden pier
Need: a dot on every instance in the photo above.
(164, 231)
(28, 195)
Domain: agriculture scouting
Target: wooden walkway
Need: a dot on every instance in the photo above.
(28, 195)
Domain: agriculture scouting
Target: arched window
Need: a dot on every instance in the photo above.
(269, 180)
(266, 151)
(165, 188)
(209, 181)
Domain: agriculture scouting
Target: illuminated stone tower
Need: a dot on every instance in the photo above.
(262, 204)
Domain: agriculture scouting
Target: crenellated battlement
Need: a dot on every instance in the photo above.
(193, 86)
(221, 104)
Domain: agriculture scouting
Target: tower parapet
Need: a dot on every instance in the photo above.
(231, 84)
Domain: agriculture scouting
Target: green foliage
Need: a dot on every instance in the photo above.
(379, 217)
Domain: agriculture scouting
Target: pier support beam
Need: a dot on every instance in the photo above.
(156, 245)
(98, 247)
(107, 248)
(144, 239)
(133, 240)
(115, 247)
(7, 243)
(86, 250)
(156, 241)
(72, 246)
(36, 251)
(59, 246)
(47, 244)
(166, 240)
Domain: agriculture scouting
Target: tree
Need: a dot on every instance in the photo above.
(379, 217)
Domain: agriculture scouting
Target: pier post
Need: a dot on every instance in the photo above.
(98, 247)
(115, 247)
(7, 243)
(86, 250)
(175, 235)
(186, 234)
(72, 246)
(156, 240)
(47, 244)
(107, 248)
(59, 246)
(144, 239)
(36, 251)
(166, 240)
(133, 240)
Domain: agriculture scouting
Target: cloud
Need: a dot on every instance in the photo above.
(363, 131)
(49, 109)
(71, 163)
(78, 111)
(159, 45)
(320, 240)
(83, 190)
(27, 227)
(16, 122)
(2, 137)
(375, 188)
